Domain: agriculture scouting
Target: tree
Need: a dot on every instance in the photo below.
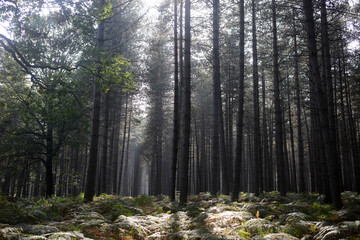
(330, 146)
(240, 114)
(257, 134)
(215, 168)
(186, 118)
(95, 121)
(298, 111)
(278, 109)
(176, 106)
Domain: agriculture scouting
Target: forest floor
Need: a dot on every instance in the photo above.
(269, 216)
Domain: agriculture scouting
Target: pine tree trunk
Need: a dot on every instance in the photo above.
(215, 168)
(116, 144)
(268, 176)
(186, 109)
(95, 123)
(176, 122)
(120, 177)
(278, 110)
(300, 142)
(257, 133)
(240, 114)
(330, 144)
(49, 178)
(104, 157)
(291, 131)
(346, 167)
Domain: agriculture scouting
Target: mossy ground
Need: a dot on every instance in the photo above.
(269, 216)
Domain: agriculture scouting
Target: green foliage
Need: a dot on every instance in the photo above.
(243, 233)
(193, 210)
(144, 216)
(115, 71)
(106, 11)
(144, 200)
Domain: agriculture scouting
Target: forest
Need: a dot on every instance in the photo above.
(135, 108)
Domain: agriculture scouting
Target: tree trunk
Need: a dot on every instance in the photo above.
(95, 122)
(257, 134)
(300, 141)
(176, 109)
(291, 131)
(126, 186)
(186, 118)
(346, 167)
(215, 168)
(49, 178)
(330, 144)
(278, 110)
(240, 115)
(268, 176)
(116, 145)
(120, 176)
(104, 156)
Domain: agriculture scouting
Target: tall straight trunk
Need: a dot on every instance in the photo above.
(126, 187)
(311, 183)
(278, 111)
(215, 168)
(176, 122)
(181, 89)
(257, 133)
(203, 158)
(240, 115)
(186, 109)
(199, 171)
(85, 167)
(49, 178)
(136, 176)
(223, 156)
(123, 145)
(268, 176)
(291, 131)
(36, 192)
(75, 190)
(229, 130)
(327, 83)
(352, 125)
(104, 156)
(95, 121)
(330, 144)
(116, 144)
(300, 142)
(271, 152)
(159, 151)
(346, 167)
(287, 164)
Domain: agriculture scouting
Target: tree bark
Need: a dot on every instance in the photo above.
(240, 114)
(186, 118)
(120, 177)
(49, 177)
(330, 144)
(278, 110)
(95, 122)
(104, 156)
(257, 134)
(300, 141)
(215, 168)
(176, 122)
(268, 176)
